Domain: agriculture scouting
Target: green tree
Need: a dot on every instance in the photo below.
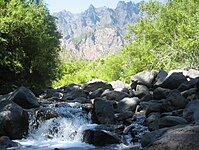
(29, 43)
(166, 38)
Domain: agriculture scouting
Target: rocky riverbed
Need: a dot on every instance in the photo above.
(157, 110)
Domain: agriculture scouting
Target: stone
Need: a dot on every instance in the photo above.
(188, 85)
(96, 93)
(114, 95)
(124, 115)
(152, 121)
(73, 92)
(119, 85)
(190, 110)
(160, 93)
(43, 114)
(13, 120)
(7, 88)
(147, 98)
(169, 121)
(150, 137)
(103, 112)
(182, 138)
(127, 104)
(189, 92)
(99, 138)
(7, 143)
(173, 80)
(160, 77)
(95, 84)
(141, 91)
(145, 77)
(153, 107)
(192, 73)
(24, 98)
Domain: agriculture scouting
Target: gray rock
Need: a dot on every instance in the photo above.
(169, 121)
(160, 93)
(173, 80)
(95, 84)
(103, 112)
(152, 121)
(119, 85)
(160, 77)
(24, 98)
(127, 104)
(13, 120)
(145, 77)
(124, 115)
(96, 93)
(192, 73)
(189, 92)
(190, 110)
(73, 92)
(7, 143)
(99, 138)
(151, 137)
(114, 95)
(141, 91)
(153, 107)
(147, 98)
(183, 138)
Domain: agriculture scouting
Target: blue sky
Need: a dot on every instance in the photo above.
(76, 6)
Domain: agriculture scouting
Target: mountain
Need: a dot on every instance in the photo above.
(95, 32)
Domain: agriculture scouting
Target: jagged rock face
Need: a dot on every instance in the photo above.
(96, 32)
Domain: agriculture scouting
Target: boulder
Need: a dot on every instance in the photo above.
(7, 88)
(189, 92)
(119, 85)
(124, 115)
(153, 106)
(96, 93)
(160, 93)
(43, 114)
(99, 137)
(145, 77)
(183, 138)
(73, 92)
(24, 98)
(192, 73)
(152, 121)
(127, 104)
(95, 84)
(160, 77)
(190, 110)
(169, 121)
(188, 85)
(13, 120)
(114, 95)
(103, 112)
(7, 143)
(141, 91)
(173, 80)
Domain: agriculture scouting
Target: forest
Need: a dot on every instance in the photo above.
(166, 38)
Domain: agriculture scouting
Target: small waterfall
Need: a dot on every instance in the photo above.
(64, 131)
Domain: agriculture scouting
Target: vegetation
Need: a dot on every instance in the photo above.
(167, 38)
(29, 43)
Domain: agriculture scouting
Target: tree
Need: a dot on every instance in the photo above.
(29, 43)
(166, 38)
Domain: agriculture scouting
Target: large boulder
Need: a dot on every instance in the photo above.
(173, 80)
(99, 137)
(127, 104)
(24, 98)
(72, 92)
(145, 77)
(114, 95)
(13, 120)
(183, 138)
(160, 93)
(169, 121)
(103, 112)
(7, 143)
(95, 84)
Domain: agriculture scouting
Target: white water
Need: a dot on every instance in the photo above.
(62, 132)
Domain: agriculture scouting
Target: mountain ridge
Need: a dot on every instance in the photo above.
(96, 32)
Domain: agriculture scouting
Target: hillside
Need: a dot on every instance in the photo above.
(95, 32)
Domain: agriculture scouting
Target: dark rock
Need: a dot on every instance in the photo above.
(131, 147)
(152, 121)
(141, 91)
(183, 138)
(173, 80)
(127, 104)
(103, 112)
(174, 101)
(24, 98)
(189, 92)
(81, 100)
(153, 107)
(160, 77)
(169, 121)
(6, 143)
(95, 84)
(188, 85)
(145, 77)
(43, 114)
(190, 110)
(150, 137)
(160, 93)
(114, 95)
(147, 98)
(96, 93)
(73, 92)
(124, 115)
(13, 120)
(99, 138)
(7, 88)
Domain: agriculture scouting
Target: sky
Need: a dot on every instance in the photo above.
(77, 6)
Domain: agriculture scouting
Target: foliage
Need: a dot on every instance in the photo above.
(166, 38)
(29, 43)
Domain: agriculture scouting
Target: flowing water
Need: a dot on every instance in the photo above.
(63, 132)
